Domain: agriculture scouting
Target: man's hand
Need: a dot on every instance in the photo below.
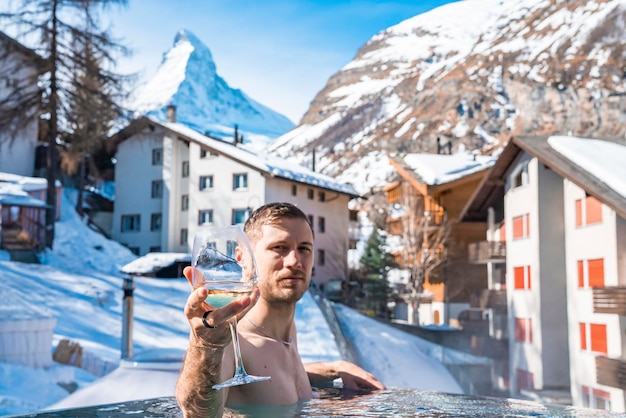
(196, 307)
(353, 376)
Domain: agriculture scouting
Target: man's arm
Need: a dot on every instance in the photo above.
(201, 370)
(202, 366)
(352, 375)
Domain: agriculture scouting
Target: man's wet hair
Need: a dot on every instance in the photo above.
(272, 213)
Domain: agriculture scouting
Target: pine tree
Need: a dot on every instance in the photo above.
(63, 27)
(375, 263)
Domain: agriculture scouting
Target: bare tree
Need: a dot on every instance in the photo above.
(423, 232)
(70, 46)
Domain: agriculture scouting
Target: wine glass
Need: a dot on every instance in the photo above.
(224, 264)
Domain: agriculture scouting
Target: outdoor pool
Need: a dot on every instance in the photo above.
(336, 402)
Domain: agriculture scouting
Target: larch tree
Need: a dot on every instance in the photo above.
(76, 85)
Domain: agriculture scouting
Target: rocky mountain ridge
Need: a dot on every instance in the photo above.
(469, 74)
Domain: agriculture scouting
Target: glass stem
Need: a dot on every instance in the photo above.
(239, 370)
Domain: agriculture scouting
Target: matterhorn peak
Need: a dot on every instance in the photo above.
(188, 79)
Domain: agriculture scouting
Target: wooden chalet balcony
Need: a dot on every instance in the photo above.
(611, 372)
(483, 252)
(611, 300)
(395, 226)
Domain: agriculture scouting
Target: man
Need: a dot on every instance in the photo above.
(282, 242)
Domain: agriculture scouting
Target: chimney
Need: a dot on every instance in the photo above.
(171, 113)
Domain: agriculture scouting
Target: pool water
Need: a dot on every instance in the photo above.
(337, 402)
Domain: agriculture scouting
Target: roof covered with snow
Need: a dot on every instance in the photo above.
(435, 169)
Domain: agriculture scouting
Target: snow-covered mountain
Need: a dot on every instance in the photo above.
(471, 73)
(188, 79)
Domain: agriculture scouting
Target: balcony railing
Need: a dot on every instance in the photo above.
(611, 300)
(611, 372)
(487, 251)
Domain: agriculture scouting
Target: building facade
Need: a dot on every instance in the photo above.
(171, 181)
(563, 206)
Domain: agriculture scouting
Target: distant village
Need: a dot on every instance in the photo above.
(519, 257)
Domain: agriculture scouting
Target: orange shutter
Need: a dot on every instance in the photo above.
(596, 272)
(518, 273)
(528, 277)
(518, 227)
(583, 336)
(594, 210)
(579, 212)
(581, 274)
(527, 225)
(503, 232)
(598, 338)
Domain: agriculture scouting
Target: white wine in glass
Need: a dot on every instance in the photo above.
(225, 260)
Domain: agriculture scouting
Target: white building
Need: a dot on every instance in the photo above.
(18, 71)
(562, 201)
(171, 180)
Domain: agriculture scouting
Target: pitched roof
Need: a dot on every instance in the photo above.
(14, 45)
(564, 156)
(268, 164)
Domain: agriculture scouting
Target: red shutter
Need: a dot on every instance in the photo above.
(596, 272)
(594, 210)
(579, 212)
(583, 336)
(518, 274)
(581, 273)
(518, 227)
(598, 338)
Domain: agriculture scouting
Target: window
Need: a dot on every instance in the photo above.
(185, 169)
(184, 233)
(524, 379)
(321, 257)
(157, 156)
(131, 223)
(156, 249)
(155, 222)
(157, 189)
(596, 398)
(521, 227)
(184, 202)
(311, 220)
(206, 182)
(204, 153)
(588, 211)
(591, 273)
(352, 244)
(593, 338)
(294, 190)
(240, 181)
(519, 177)
(240, 216)
(522, 277)
(321, 196)
(205, 217)
(134, 250)
(523, 330)
(321, 224)
(310, 194)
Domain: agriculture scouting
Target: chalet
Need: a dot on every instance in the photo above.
(560, 205)
(19, 69)
(172, 180)
(427, 237)
(22, 211)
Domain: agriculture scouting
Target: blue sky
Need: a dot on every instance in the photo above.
(279, 52)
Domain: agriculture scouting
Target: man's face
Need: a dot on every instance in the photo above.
(284, 256)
